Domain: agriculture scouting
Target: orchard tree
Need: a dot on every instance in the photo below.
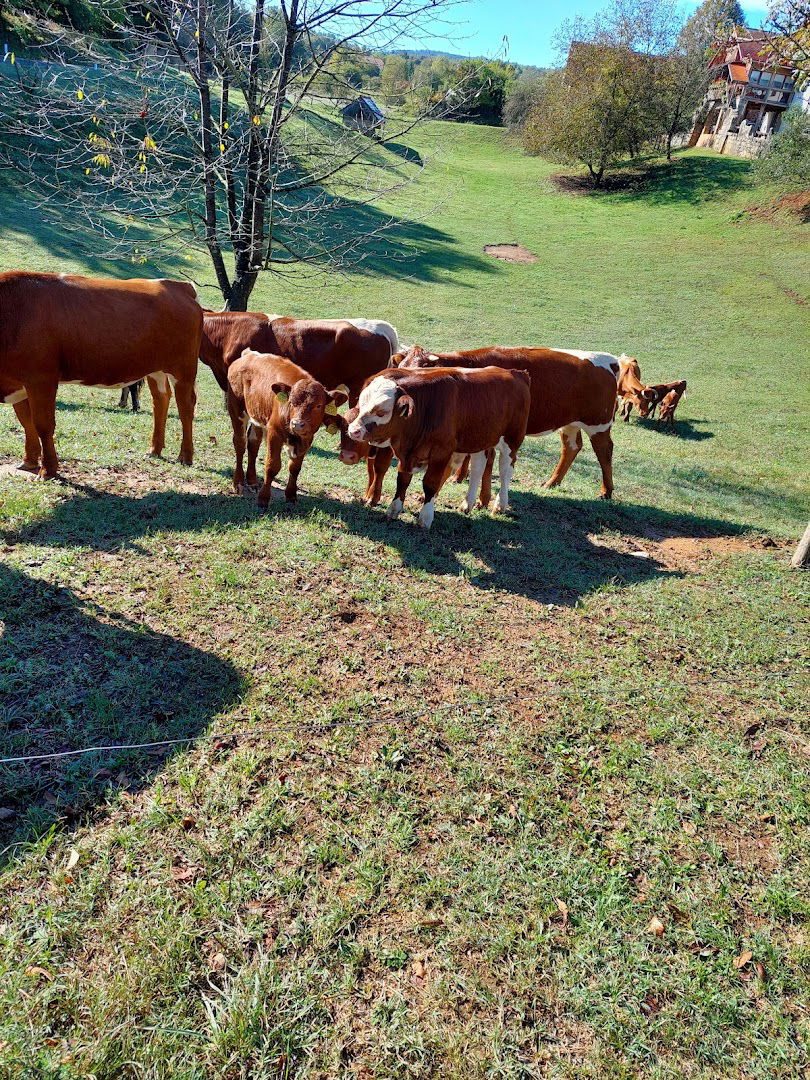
(207, 132)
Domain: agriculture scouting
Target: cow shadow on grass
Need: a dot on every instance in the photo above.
(73, 675)
(689, 430)
(553, 549)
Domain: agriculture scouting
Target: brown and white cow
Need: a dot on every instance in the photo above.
(64, 328)
(270, 394)
(428, 418)
(631, 390)
(333, 351)
(571, 392)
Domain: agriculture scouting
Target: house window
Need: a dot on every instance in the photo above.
(754, 76)
(777, 81)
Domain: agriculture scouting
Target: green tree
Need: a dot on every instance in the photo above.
(787, 162)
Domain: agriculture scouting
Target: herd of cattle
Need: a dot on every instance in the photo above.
(286, 378)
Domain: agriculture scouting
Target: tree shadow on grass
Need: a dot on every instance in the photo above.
(549, 551)
(407, 153)
(685, 179)
(73, 675)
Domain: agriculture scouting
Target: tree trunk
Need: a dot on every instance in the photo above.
(801, 557)
(240, 291)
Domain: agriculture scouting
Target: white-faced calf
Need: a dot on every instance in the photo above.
(429, 418)
(268, 394)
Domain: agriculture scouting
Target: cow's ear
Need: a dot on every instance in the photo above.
(405, 405)
(281, 390)
(339, 396)
(648, 393)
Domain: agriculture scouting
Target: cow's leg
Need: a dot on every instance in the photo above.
(477, 463)
(506, 468)
(239, 441)
(398, 502)
(627, 408)
(462, 471)
(435, 475)
(254, 441)
(486, 482)
(161, 396)
(42, 402)
(378, 466)
(272, 466)
(571, 438)
(30, 461)
(602, 444)
(135, 391)
(186, 397)
(122, 401)
(291, 490)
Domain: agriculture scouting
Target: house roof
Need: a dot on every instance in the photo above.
(366, 105)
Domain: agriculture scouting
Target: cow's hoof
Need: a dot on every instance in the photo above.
(44, 475)
(605, 495)
(185, 461)
(465, 507)
(394, 510)
(28, 466)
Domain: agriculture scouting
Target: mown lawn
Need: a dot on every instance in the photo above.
(525, 797)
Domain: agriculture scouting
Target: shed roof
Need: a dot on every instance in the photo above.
(364, 104)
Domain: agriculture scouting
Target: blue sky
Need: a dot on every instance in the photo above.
(479, 27)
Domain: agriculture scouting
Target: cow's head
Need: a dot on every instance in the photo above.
(351, 451)
(307, 405)
(417, 357)
(382, 406)
(644, 399)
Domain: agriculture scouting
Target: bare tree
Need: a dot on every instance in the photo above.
(207, 126)
(788, 22)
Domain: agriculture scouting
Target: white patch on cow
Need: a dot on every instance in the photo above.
(505, 470)
(171, 379)
(425, 518)
(98, 386)
(377, 326)
(380, 394)
(257, 423)
(394, 510)
(569, 433)
(592, 429)
(598, 359)
(16, 397)
(478, 463)
(161, 380)
(272, 318)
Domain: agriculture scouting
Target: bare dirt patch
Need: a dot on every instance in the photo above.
(516, 253)
(796, 204)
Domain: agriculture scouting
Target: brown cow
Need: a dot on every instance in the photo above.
(333, 351)
(429, 417)
(631, 390)
(57, 328)
(269, 393)
(571, 391)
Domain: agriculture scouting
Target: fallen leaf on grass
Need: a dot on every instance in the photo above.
(561, 904)
(39, 971)
(757, 747)
(73, 859)
(418, 969)
(743, 959)
(752, 729)
(689, 828)
(655, 926)
(185, 873)
(219, 962)
(760, 970)
(188, 822)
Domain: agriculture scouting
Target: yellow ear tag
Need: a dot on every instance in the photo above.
(331, 409)
(332, 429)
(282, 397)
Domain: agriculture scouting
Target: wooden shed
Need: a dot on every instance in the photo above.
(363, 115)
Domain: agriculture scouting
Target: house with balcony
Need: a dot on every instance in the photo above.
(749, 91)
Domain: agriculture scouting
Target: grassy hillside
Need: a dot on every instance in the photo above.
(525, 797)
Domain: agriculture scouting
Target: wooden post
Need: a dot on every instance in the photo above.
(801, 557)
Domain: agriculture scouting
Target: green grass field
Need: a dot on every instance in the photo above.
(523, 797)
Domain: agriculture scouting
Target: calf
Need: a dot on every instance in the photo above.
(668, 402)
(571, 392)
(429, 417)
(631, 390)
(268, 393)
(64, 328)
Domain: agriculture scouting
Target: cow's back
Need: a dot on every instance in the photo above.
(566, 387)
(73, 328)
(333, 351)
